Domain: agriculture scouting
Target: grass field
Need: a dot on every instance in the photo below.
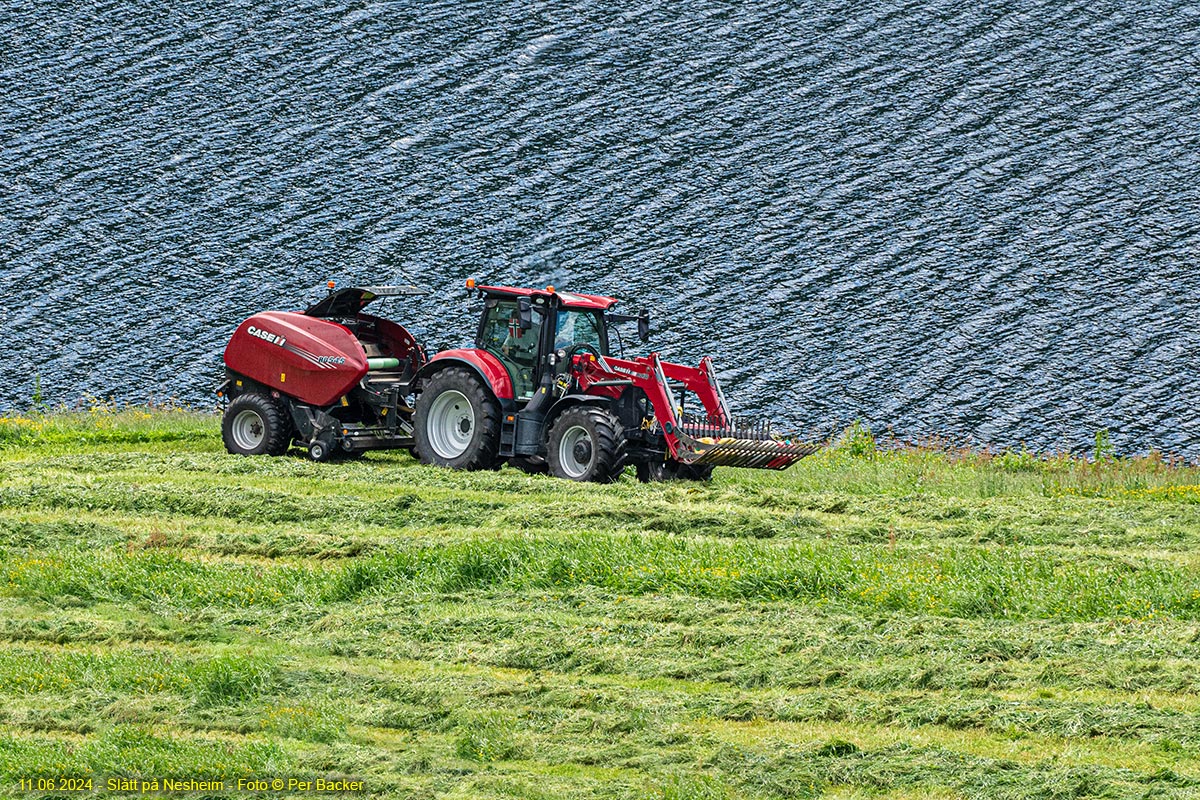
(902, 624)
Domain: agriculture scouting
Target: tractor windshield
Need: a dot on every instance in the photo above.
(517, 349)
(579, 327)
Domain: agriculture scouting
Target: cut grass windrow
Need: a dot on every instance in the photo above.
(988, 582)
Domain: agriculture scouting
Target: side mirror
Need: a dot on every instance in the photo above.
(524, 313)
(644, 326)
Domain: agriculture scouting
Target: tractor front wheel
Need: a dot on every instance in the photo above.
(255, 425)
(586, 444)
(457, 422)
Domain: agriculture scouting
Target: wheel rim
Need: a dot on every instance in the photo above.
(451, 424)
(248, 430)
(576, 451)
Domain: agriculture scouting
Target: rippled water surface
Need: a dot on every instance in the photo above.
(973, 220)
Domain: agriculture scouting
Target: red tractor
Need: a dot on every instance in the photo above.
(540, 390)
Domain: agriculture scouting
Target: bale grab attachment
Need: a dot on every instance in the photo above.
(738, 447)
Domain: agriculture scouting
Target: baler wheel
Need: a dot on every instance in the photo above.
(255, 425)
(457, 422)
(320, 451)
(586, 444)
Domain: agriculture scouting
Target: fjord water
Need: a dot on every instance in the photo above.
(973, 220)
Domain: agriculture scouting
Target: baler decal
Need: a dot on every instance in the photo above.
(291, 348)
(266, 336)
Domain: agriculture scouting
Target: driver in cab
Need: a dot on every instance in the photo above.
(519, 344)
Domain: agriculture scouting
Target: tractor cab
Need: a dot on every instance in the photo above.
(523, 327)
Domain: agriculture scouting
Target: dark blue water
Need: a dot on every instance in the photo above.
(973, 220)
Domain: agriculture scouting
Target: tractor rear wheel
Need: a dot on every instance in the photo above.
(586, 444)
(457, 422)
(256, 425)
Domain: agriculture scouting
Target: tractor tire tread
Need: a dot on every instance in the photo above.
(654, 472)
(487, 443)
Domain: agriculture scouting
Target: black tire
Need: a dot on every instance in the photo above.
(256, 425)
(586, 443)
(651, 471)
(655, 471)
(530, 465)
(320, 451)
(695, 472)
(457, 422)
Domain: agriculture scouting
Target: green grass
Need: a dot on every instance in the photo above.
(909, 623)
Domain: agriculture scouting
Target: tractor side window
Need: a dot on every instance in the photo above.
(516, 348)
(579, 327)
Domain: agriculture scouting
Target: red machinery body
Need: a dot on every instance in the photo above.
(334, 379)
(708, 438)
(483, 362)
(541, 390)
(715, 438)
(314, 360)
(593, 302)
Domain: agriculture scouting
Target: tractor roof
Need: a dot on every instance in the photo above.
(591, 302)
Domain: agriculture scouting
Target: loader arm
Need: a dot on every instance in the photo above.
(718, 441)
(701, 382)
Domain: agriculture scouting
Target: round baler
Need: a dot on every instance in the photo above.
(332, 378)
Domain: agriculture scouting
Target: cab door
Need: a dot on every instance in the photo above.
(516, 348)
